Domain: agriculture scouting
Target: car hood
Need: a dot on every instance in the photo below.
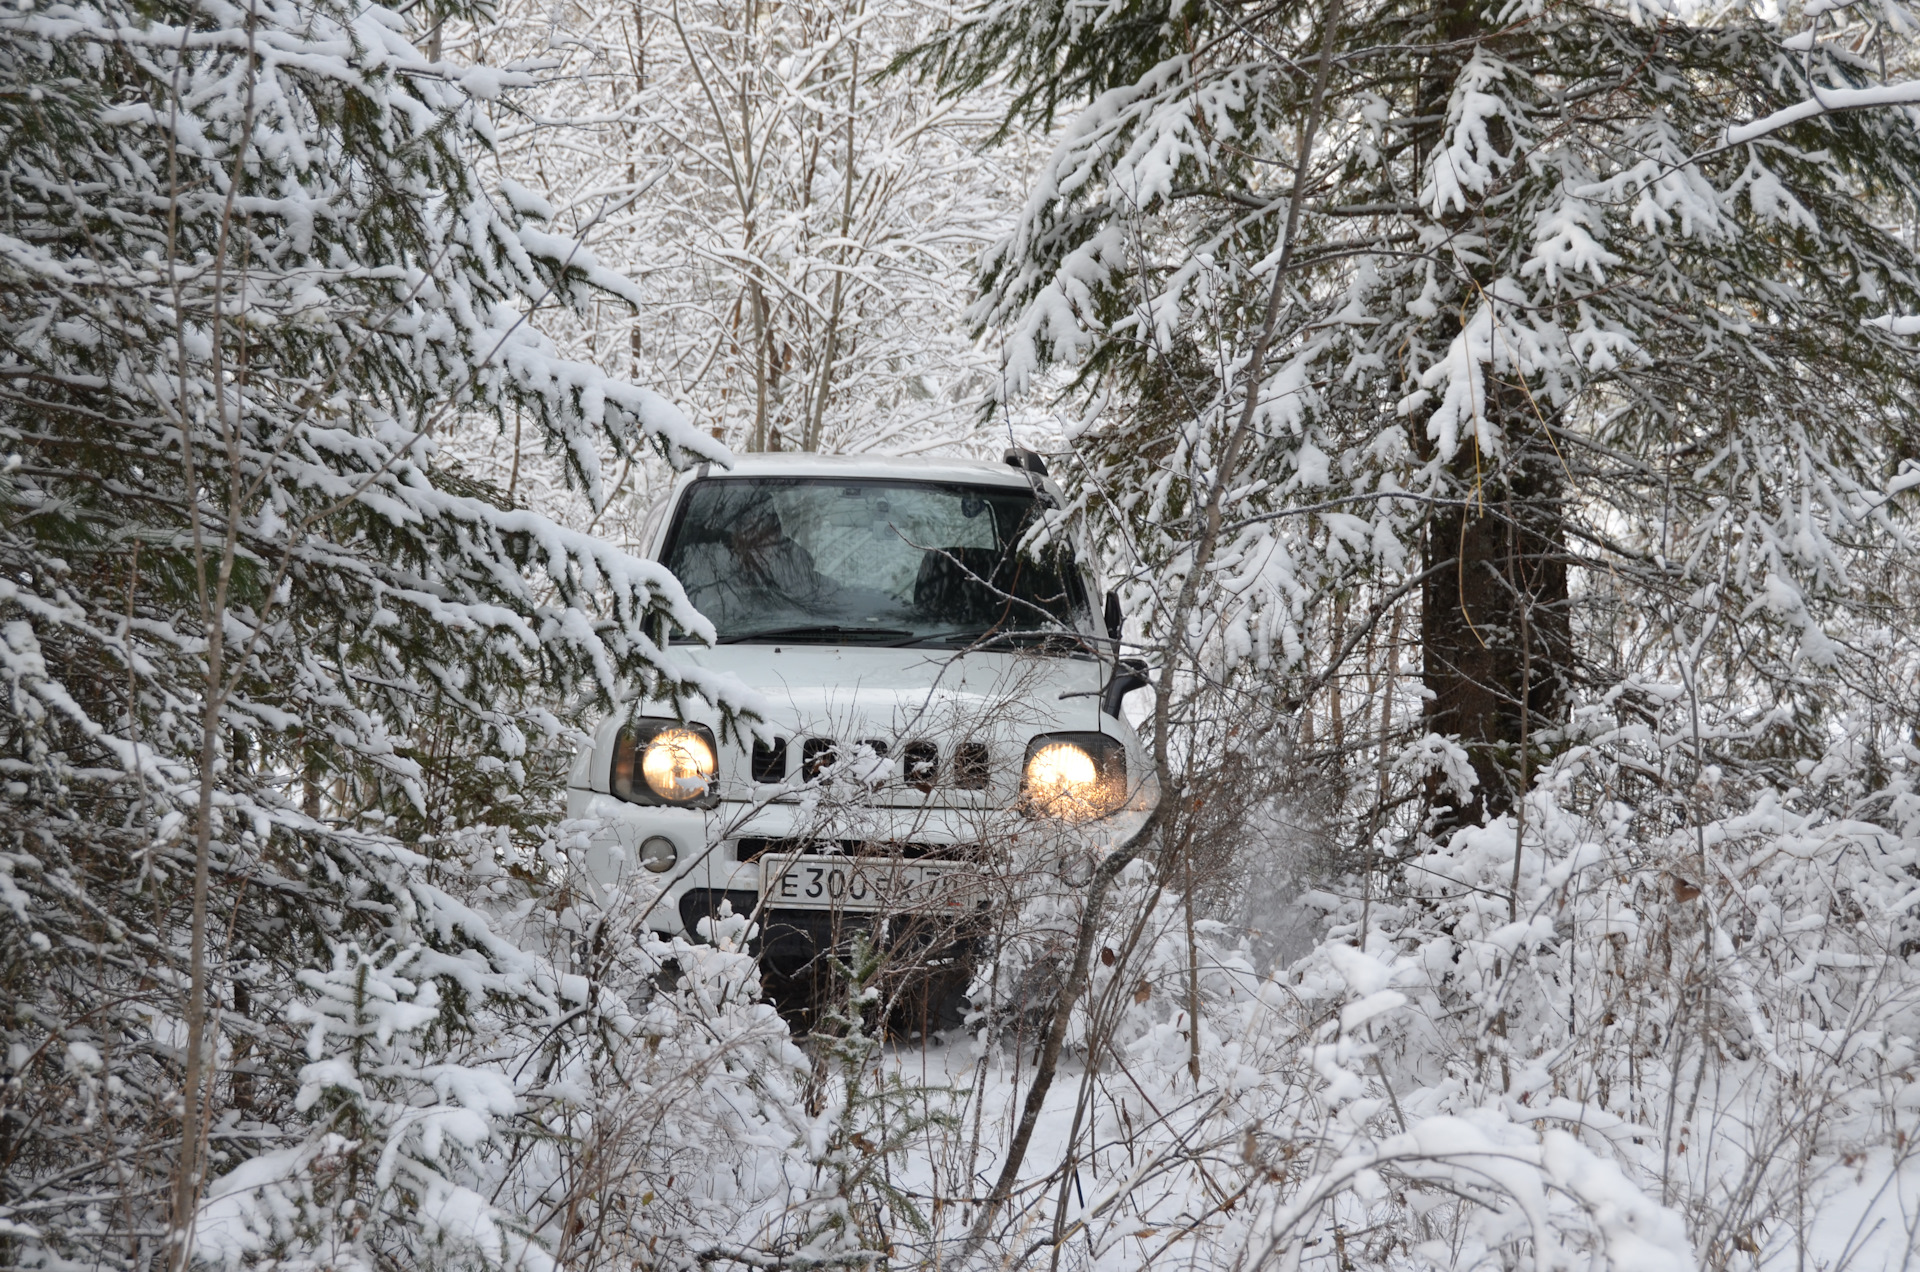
(897, 693)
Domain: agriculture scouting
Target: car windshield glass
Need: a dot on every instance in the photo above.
(870, 562)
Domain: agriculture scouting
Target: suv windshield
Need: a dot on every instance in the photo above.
(870, 562)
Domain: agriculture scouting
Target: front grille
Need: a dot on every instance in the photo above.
(971, 766)
(815, 757)
(922, 767)
(770, 761)
(753, 847)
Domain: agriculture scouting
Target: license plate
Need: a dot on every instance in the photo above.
(796, 881)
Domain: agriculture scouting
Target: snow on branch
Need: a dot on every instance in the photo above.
(1826, 101)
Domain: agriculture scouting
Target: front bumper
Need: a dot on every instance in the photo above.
(718, 849)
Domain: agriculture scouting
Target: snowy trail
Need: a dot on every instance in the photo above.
(937, 1173)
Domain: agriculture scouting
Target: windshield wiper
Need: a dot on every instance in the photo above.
(825, 633)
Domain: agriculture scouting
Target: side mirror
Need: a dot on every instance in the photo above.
(1128, 674)
(1113, 617)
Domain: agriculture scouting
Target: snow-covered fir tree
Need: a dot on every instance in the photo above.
(1485, 301)
(264, 654)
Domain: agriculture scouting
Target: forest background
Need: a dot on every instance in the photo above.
(1498, 419)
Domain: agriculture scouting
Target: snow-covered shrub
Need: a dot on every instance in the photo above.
(1728, 1009)
(1296, 1130)
(583, 1094)
(391, 1168)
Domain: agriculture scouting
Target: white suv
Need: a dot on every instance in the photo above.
(939, 700)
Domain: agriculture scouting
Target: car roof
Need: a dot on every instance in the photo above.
(903, 468)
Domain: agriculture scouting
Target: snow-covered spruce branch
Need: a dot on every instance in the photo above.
(1825, 101)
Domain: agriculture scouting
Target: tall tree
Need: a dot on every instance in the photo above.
(1483, 303)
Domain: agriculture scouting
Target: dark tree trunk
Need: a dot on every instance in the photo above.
(1495, 632)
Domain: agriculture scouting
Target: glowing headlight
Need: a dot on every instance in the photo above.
(1075, 776)
(1061, 768)
(664, 762)
(678, 764)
